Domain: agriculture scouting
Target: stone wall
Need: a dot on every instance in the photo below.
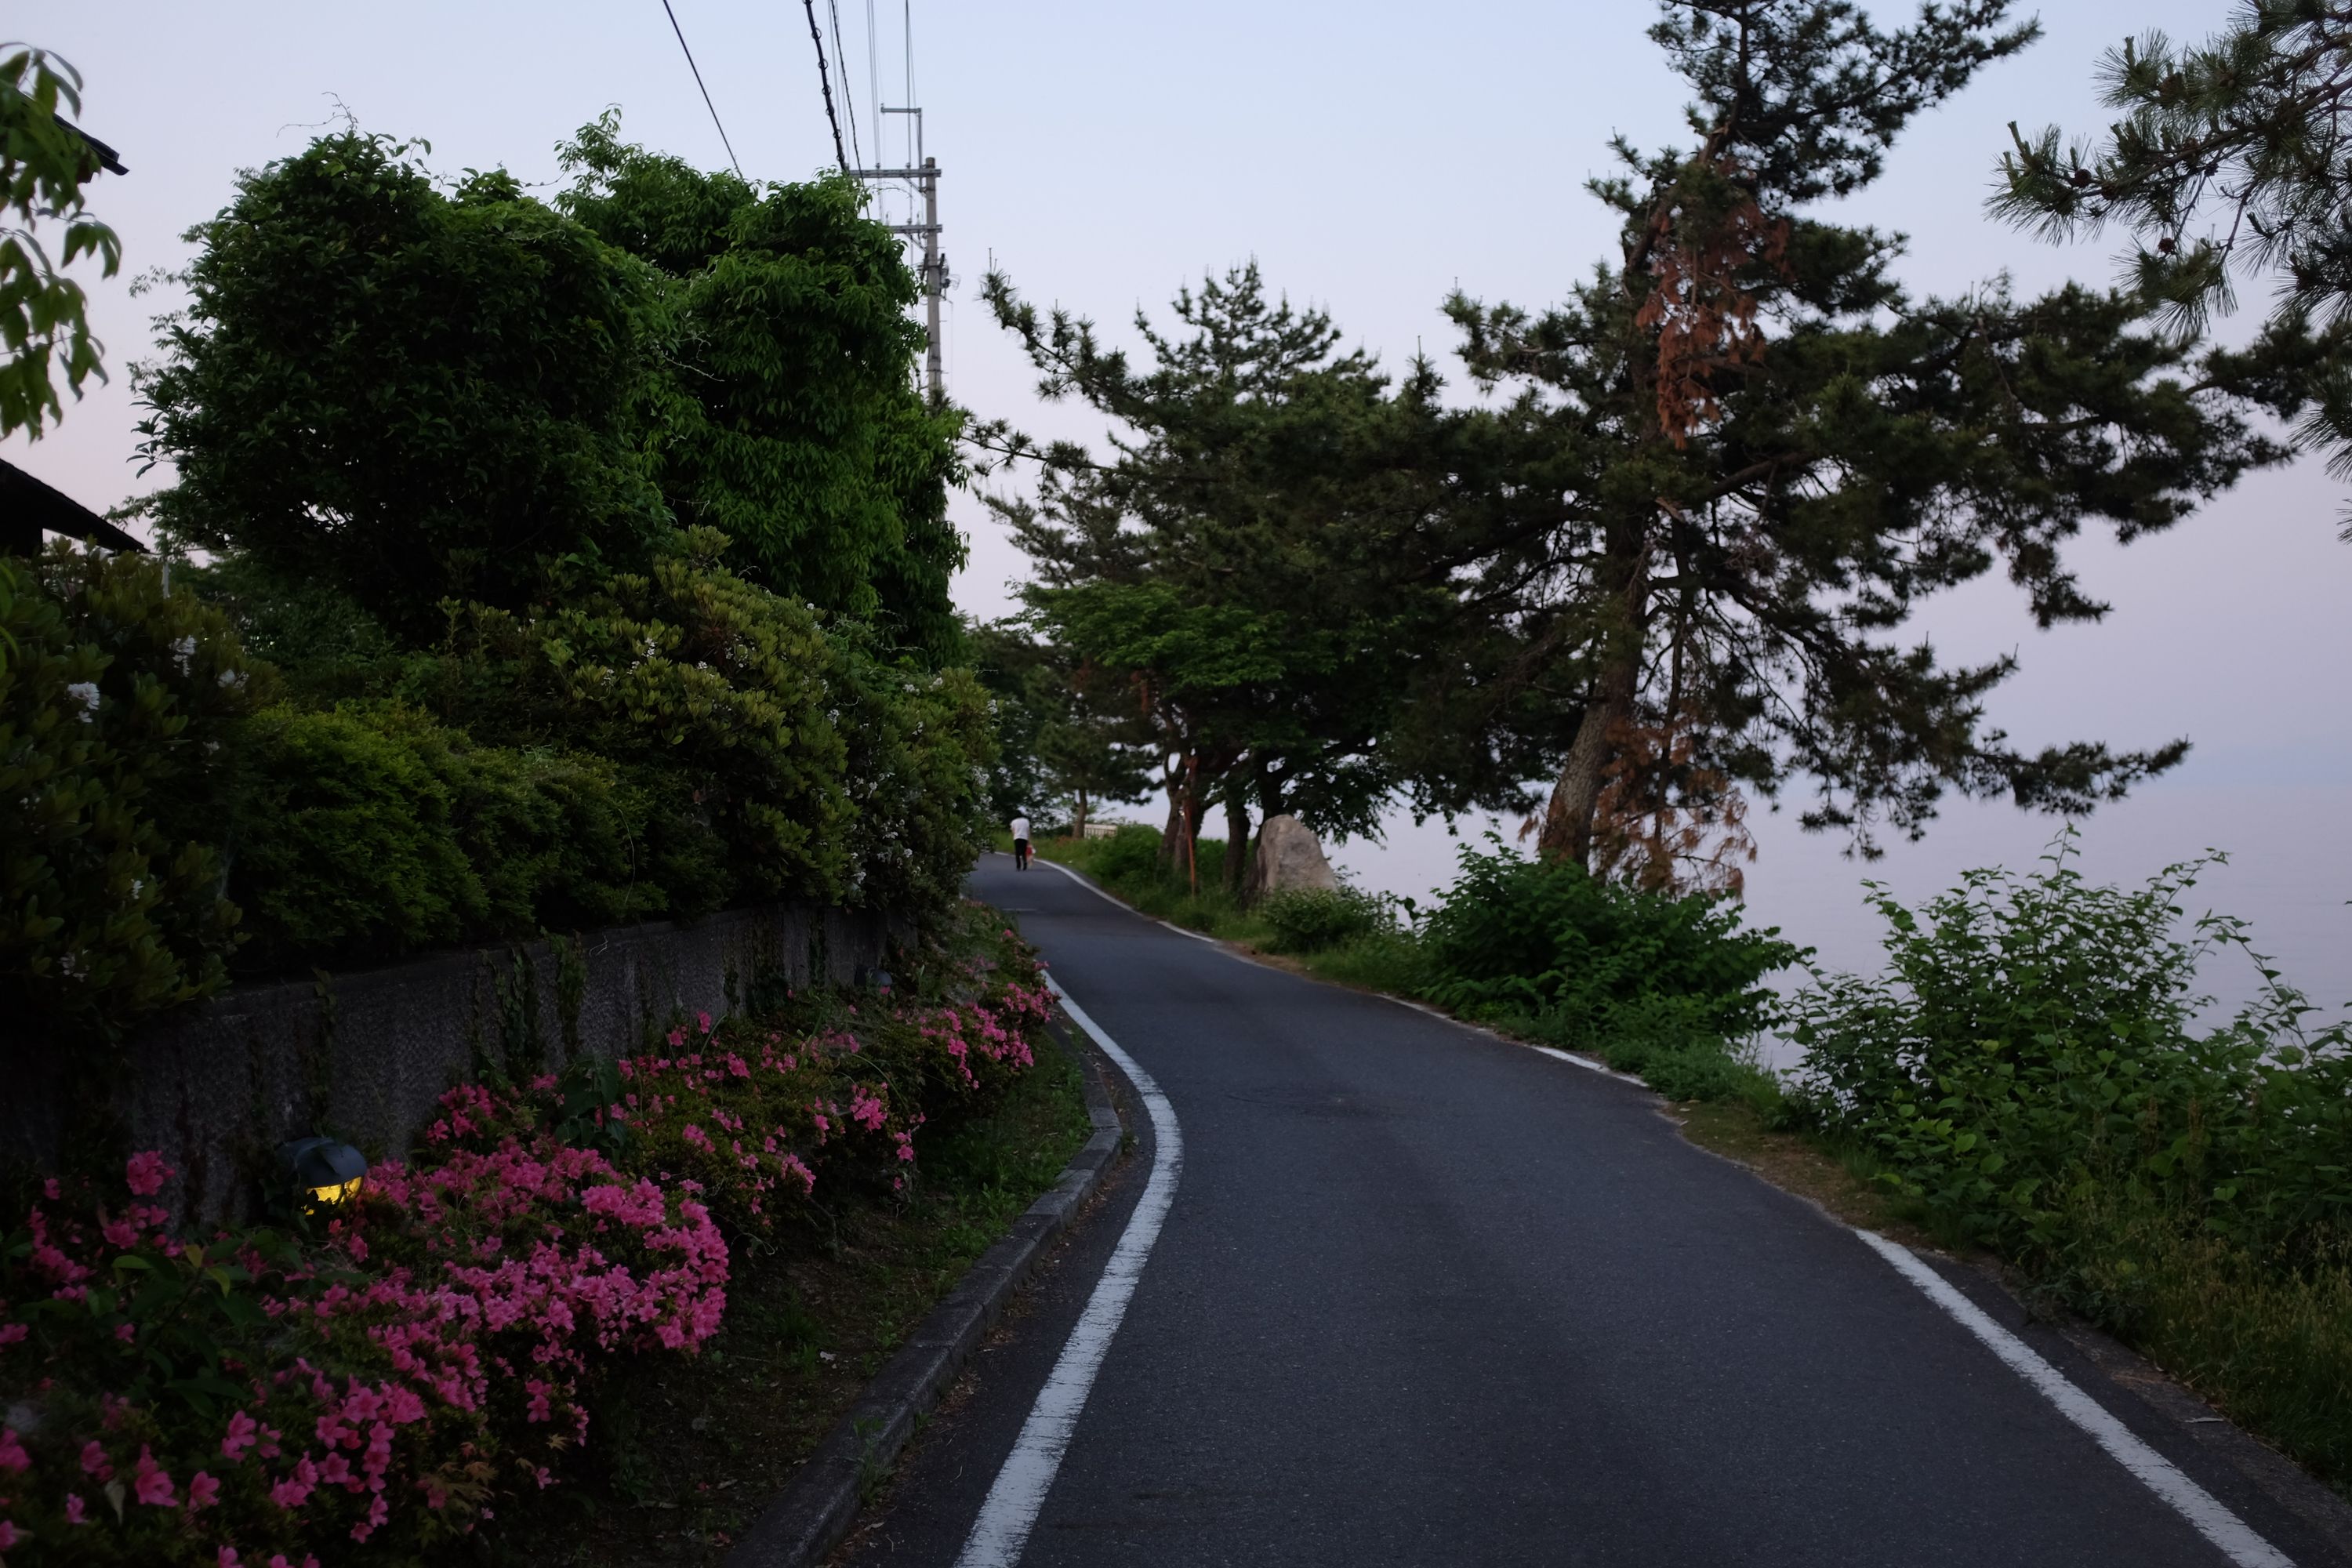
(365, 1055)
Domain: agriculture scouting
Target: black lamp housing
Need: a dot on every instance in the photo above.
(322, 1172)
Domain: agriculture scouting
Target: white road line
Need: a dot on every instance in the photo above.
(1587, 1063)
(1106, 897)
(1002, 1530)
(2212, 1520)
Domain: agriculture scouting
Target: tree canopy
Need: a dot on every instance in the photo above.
(784, 414)
(1251, 560)
(1759, 452)
(423, 395)
(2228, 160)
(44, 162)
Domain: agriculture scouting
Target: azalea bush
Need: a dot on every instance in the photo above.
(368, 1383)
(264, 1396)
(748, 1112)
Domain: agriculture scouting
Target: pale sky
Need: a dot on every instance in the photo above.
(1370, 155)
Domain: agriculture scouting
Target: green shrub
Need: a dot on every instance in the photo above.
(2034, 1040)
(918, 746)
(1541, 940)
(115, 705)
(1310, 919)
(727, 690)
(1130, 854)
(548, 832)
(345, 846)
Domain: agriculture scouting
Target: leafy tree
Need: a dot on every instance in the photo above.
(786, 416)
(2228, 159)
(409, 396)
(1068, 736)
(1759, 452)
(1249, 563)
(44, 164)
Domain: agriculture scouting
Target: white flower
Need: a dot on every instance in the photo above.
(185, 652)
(85, 693)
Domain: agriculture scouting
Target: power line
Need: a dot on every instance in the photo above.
(705, 91)
(848, 108)
(824, 80)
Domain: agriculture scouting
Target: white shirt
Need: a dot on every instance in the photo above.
(1020, 828)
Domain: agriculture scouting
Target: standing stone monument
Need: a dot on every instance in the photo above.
(1288, 857)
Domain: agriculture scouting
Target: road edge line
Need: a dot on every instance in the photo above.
(819, 1506)
(1120, 903)
(1000, 1530)
(2206, 1513)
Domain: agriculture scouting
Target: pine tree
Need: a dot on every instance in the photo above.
(1250, 561)
(2229, 160)
(1758, 453)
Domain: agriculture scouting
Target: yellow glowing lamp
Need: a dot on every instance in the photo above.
(337, 1192)
(326, 1175)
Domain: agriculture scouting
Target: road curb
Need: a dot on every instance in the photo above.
(817, 1507)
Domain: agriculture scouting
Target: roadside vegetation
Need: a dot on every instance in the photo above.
(390, 1376)
(688, 1453)
(1663, 986)
(517, 578)
(1667, 566)
(2033, 1074)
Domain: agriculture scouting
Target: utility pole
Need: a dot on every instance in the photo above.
(925, 174)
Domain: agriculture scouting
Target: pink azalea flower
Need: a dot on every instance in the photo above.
(12, 1457)
(145, 1173)
(150, 1483)
(74, 1509)
(93, 1460)
(228, 1558)
(202, 1491)
(7, 1535)
(241, 1430)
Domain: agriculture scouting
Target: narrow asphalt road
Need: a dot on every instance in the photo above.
(1427, 1297)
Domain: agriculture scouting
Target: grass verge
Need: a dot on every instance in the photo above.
(683, 1458)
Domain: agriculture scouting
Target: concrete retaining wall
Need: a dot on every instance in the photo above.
(365, 1055)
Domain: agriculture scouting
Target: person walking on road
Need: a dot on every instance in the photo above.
(1020, 843)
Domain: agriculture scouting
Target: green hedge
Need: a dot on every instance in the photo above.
(116, 702)
(668, 743)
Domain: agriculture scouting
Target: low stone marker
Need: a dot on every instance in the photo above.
(1290, 856)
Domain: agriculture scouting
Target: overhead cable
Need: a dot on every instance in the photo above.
(824, 80)
(841, 59)
(706, 91)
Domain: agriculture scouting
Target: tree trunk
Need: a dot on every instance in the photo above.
(1191, 805)
(1269, 807)
(1568, 819)
(1237, 843)
(1171, 836)
(1082, 814)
